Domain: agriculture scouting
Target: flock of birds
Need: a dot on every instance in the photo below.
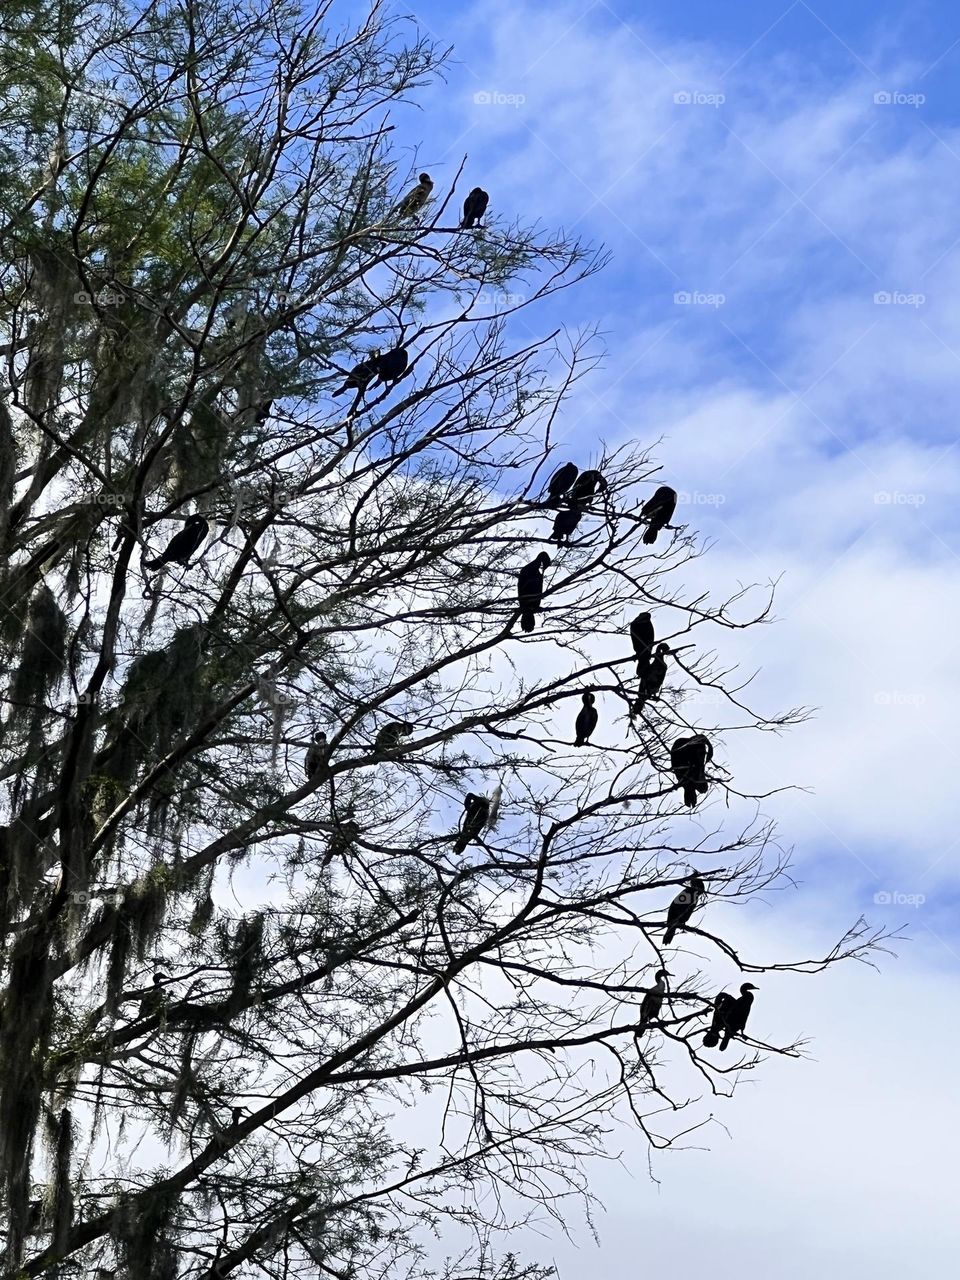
(571, 492)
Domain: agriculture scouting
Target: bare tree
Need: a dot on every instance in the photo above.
(247, 920)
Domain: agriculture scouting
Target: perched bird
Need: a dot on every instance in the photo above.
(476, 814)
(651, 678)
(530, 590)
(390, 366)
(415, 198)
(564, 523)
(389, 736)
(585, 486)
(341, 839)
(474, 207)
(683, 907)
(641, 633)
(729, 1016)
(652, 1001)
(152, 1001)
(183, 544)
(315, 753)
(360, 375)
(658, 512)
(586, 720)
(560, 482)
(688, 759)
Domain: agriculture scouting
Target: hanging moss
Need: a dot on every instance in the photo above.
(8, 464)
(142, 1235)
(246, 958)
(60, 1137)
(43, 659)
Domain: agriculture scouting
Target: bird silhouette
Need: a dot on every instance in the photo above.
(415, 198)
(658, 511)
(689, 758)
(474, 207)
(182, 545)
(476, 813)
(560, 482)
(316, 752)
(683, 907)
(729, 1016)
(530, 590)
(586, 720)
(564, 524)
(653, 1000)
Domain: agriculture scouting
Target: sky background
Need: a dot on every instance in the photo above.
(794, 172)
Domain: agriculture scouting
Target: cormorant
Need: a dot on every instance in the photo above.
(152, 1001)
(688, 759)
(474, 207)
(650, 1005)
(530, 590)
(586, 720)
(560, 482)
(183, 544)
(652, 677)
(415, 198)
(585, 486)
(360, 375)
(389, 736)
(390, 366)
(564, 523)
(729, 1016)
(476, 813)
(642, 635)
(683, 907)
(315, 753)
(658, 512)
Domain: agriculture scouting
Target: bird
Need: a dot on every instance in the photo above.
(341, 840)
(642, 635)
(315, 754)
(683, 907)
(389, 735)
(658, 512)
(152, 1001)
(586, 720)
(415, 198)
(476, 813)
(391, 366)
(530, 590)
(688, 759)
(560, 482)
(729, 1016)
(360, 375)
(183, 544)
(565, 522)
(474, 207)
(650, 1005)
(651, 678)
(585, 486)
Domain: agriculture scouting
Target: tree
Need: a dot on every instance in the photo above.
(225, 979)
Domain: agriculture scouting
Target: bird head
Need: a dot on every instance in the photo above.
(426, 179)
(404, 726)
(642, 617)
(748, 986)
(543, 560)
(320, 736)
(195, 519)
(663, 973)
(663, 648)
(589, 698)
(158, 978)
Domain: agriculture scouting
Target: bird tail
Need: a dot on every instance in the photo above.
(690, 795)
(153, 564)
(726, 1040)
(650, 536)
(460, 845)
(711, 1039)
(702, 788)
(668, 936)
(341, 390)
(527, 621)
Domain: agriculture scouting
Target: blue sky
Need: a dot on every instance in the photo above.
(807, 401)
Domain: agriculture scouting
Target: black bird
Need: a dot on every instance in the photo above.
(152, 1001)
(585, 486)
(341, 839)
(560, 482)
(391, 366)
(360, 376)
(389, 736)
(652, 1001)
(689, 758)
(564, 523)
(476, 811)
(315, 753)
(651, 678)
(641, 633)
(658, 512)
(183, 544)
(683, 907)
(530, 590)
(586, 720)
(415, 198)
(474, 207)
(729, 1016)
